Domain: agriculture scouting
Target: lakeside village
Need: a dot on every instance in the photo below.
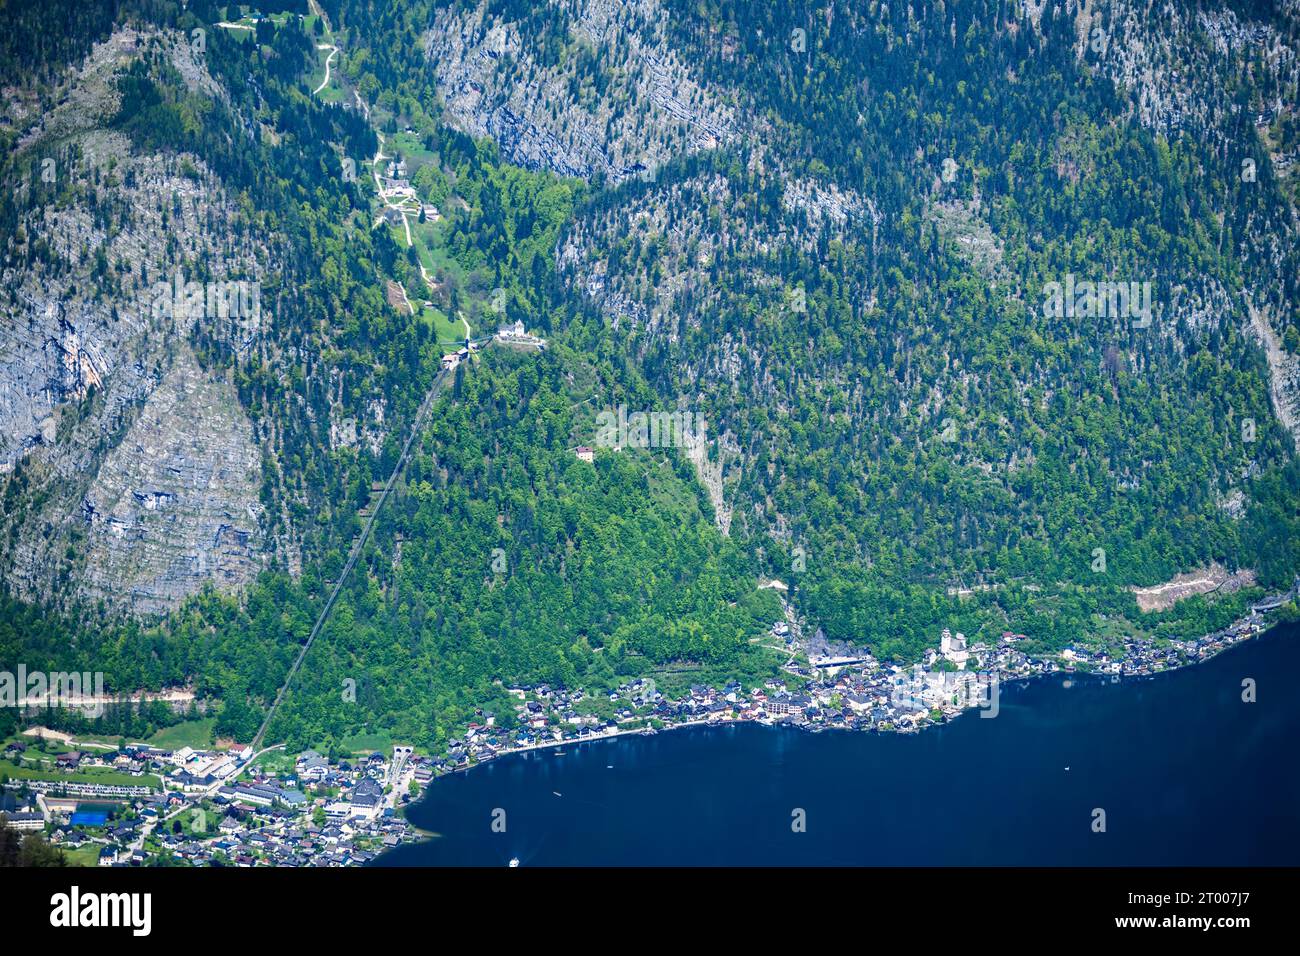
(139, 804)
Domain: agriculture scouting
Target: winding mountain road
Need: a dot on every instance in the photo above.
(334, 51)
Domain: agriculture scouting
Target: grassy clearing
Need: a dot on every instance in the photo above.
(87, 855)
(35, 748)
(190, 733)
(275, 761)
(451, 334)
(411, 149)
(367, 743)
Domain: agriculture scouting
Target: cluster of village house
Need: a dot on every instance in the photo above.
(215, 808)
(853, 693)
(325, 813)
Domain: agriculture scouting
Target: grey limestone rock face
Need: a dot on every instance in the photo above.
(138, 468)
(176, 500)
(497, 80)
(173, 504)
(692, 223)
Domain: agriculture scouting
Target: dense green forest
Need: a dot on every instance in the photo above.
(506, 561)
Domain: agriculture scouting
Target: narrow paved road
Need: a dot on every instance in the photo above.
(329, 33)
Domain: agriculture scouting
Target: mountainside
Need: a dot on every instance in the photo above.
(140, 467)
(989, 309)
(854, 287)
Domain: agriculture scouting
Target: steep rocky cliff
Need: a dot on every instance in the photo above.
(581, 87)
(138, 469)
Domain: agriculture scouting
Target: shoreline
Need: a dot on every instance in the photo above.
(592, 738)
(819, 727)
(1096, 678)
(708, 795)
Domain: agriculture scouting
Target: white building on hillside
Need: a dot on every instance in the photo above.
(953, 648)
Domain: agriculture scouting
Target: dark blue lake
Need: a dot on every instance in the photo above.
(1186, 772)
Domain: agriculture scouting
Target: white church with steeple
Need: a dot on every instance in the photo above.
(953, 648)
